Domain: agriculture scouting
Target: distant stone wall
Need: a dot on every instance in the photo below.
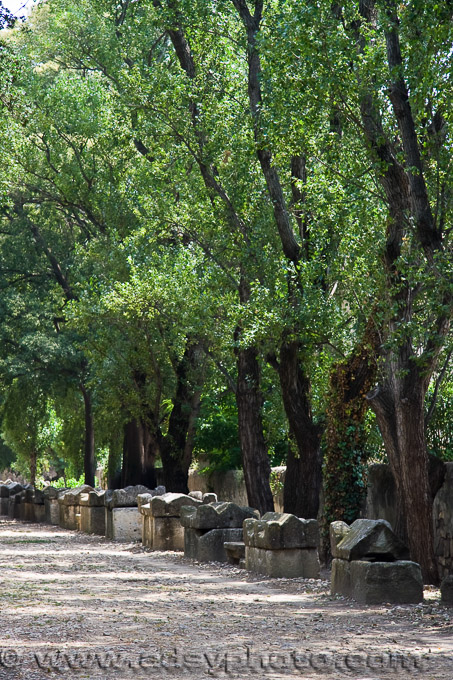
(381, 504)
(229, 485)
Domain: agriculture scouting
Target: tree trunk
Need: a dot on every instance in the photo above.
(89, 461)
(345, 455)
(33, 466)
(399, 408)
(303, 467)
(177, 445)
(133, 454)
(255, 458)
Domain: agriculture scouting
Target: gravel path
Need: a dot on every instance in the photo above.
(78, 606)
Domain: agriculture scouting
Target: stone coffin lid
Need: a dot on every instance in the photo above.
(38, 497)
(50, 492)
(170, 504)
(14, 488)
(280, 531)
(371, 538)
(216, 516)
(72, 496)
(143, 499)
(93, 499)
(127, 498)
(27, 495)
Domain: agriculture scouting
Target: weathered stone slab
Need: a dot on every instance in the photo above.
(94, 499)
(38, 497)
(166, 533)
(209, 546)
(170, 504)
(280, 531)
(72, 496)
(4, 491)
(287, 563)
(446, 591)
(338, 531)
(39, 512)
(235, 551)
(52, 511)
(92, 519)
(341, 578)
(127, 498)
(52, 492)
(371, 538)
(143, 499)
(397, 582)
(68, 516)
(14, 487)
(216, 516)
(14, 503)
(123, 524)
(197, 495)
(147, 526)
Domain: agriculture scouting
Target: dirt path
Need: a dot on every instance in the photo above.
(78, 606)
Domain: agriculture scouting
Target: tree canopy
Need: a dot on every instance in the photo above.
(225, 231)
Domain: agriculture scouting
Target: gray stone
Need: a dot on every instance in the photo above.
(94, 499)
(128, 497)
(229, 485)
(52, 492)
(197, 495)
(38, 497)
(216, 516)
(14, 488)
(287, 563)
(69, 516)
(280, 531)
(14, 503)
(52, 511)
(208, 546)
(167, 533)
(170, 504)
(124, 498)
(123, 524)
(235, 551)
(72, 496)
(397, 582)
(446, 591)
(341, 578)
(92, 514)
(147, 526)
(143, 499)
(338, 531)
(209, 498)
(39, 512)
(371, 538)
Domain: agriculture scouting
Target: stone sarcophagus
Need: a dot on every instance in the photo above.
(208, 526)
(69, 506)
(282, 545)
(122, 517)
(161, 521)
(92, 513)
(371, 564)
